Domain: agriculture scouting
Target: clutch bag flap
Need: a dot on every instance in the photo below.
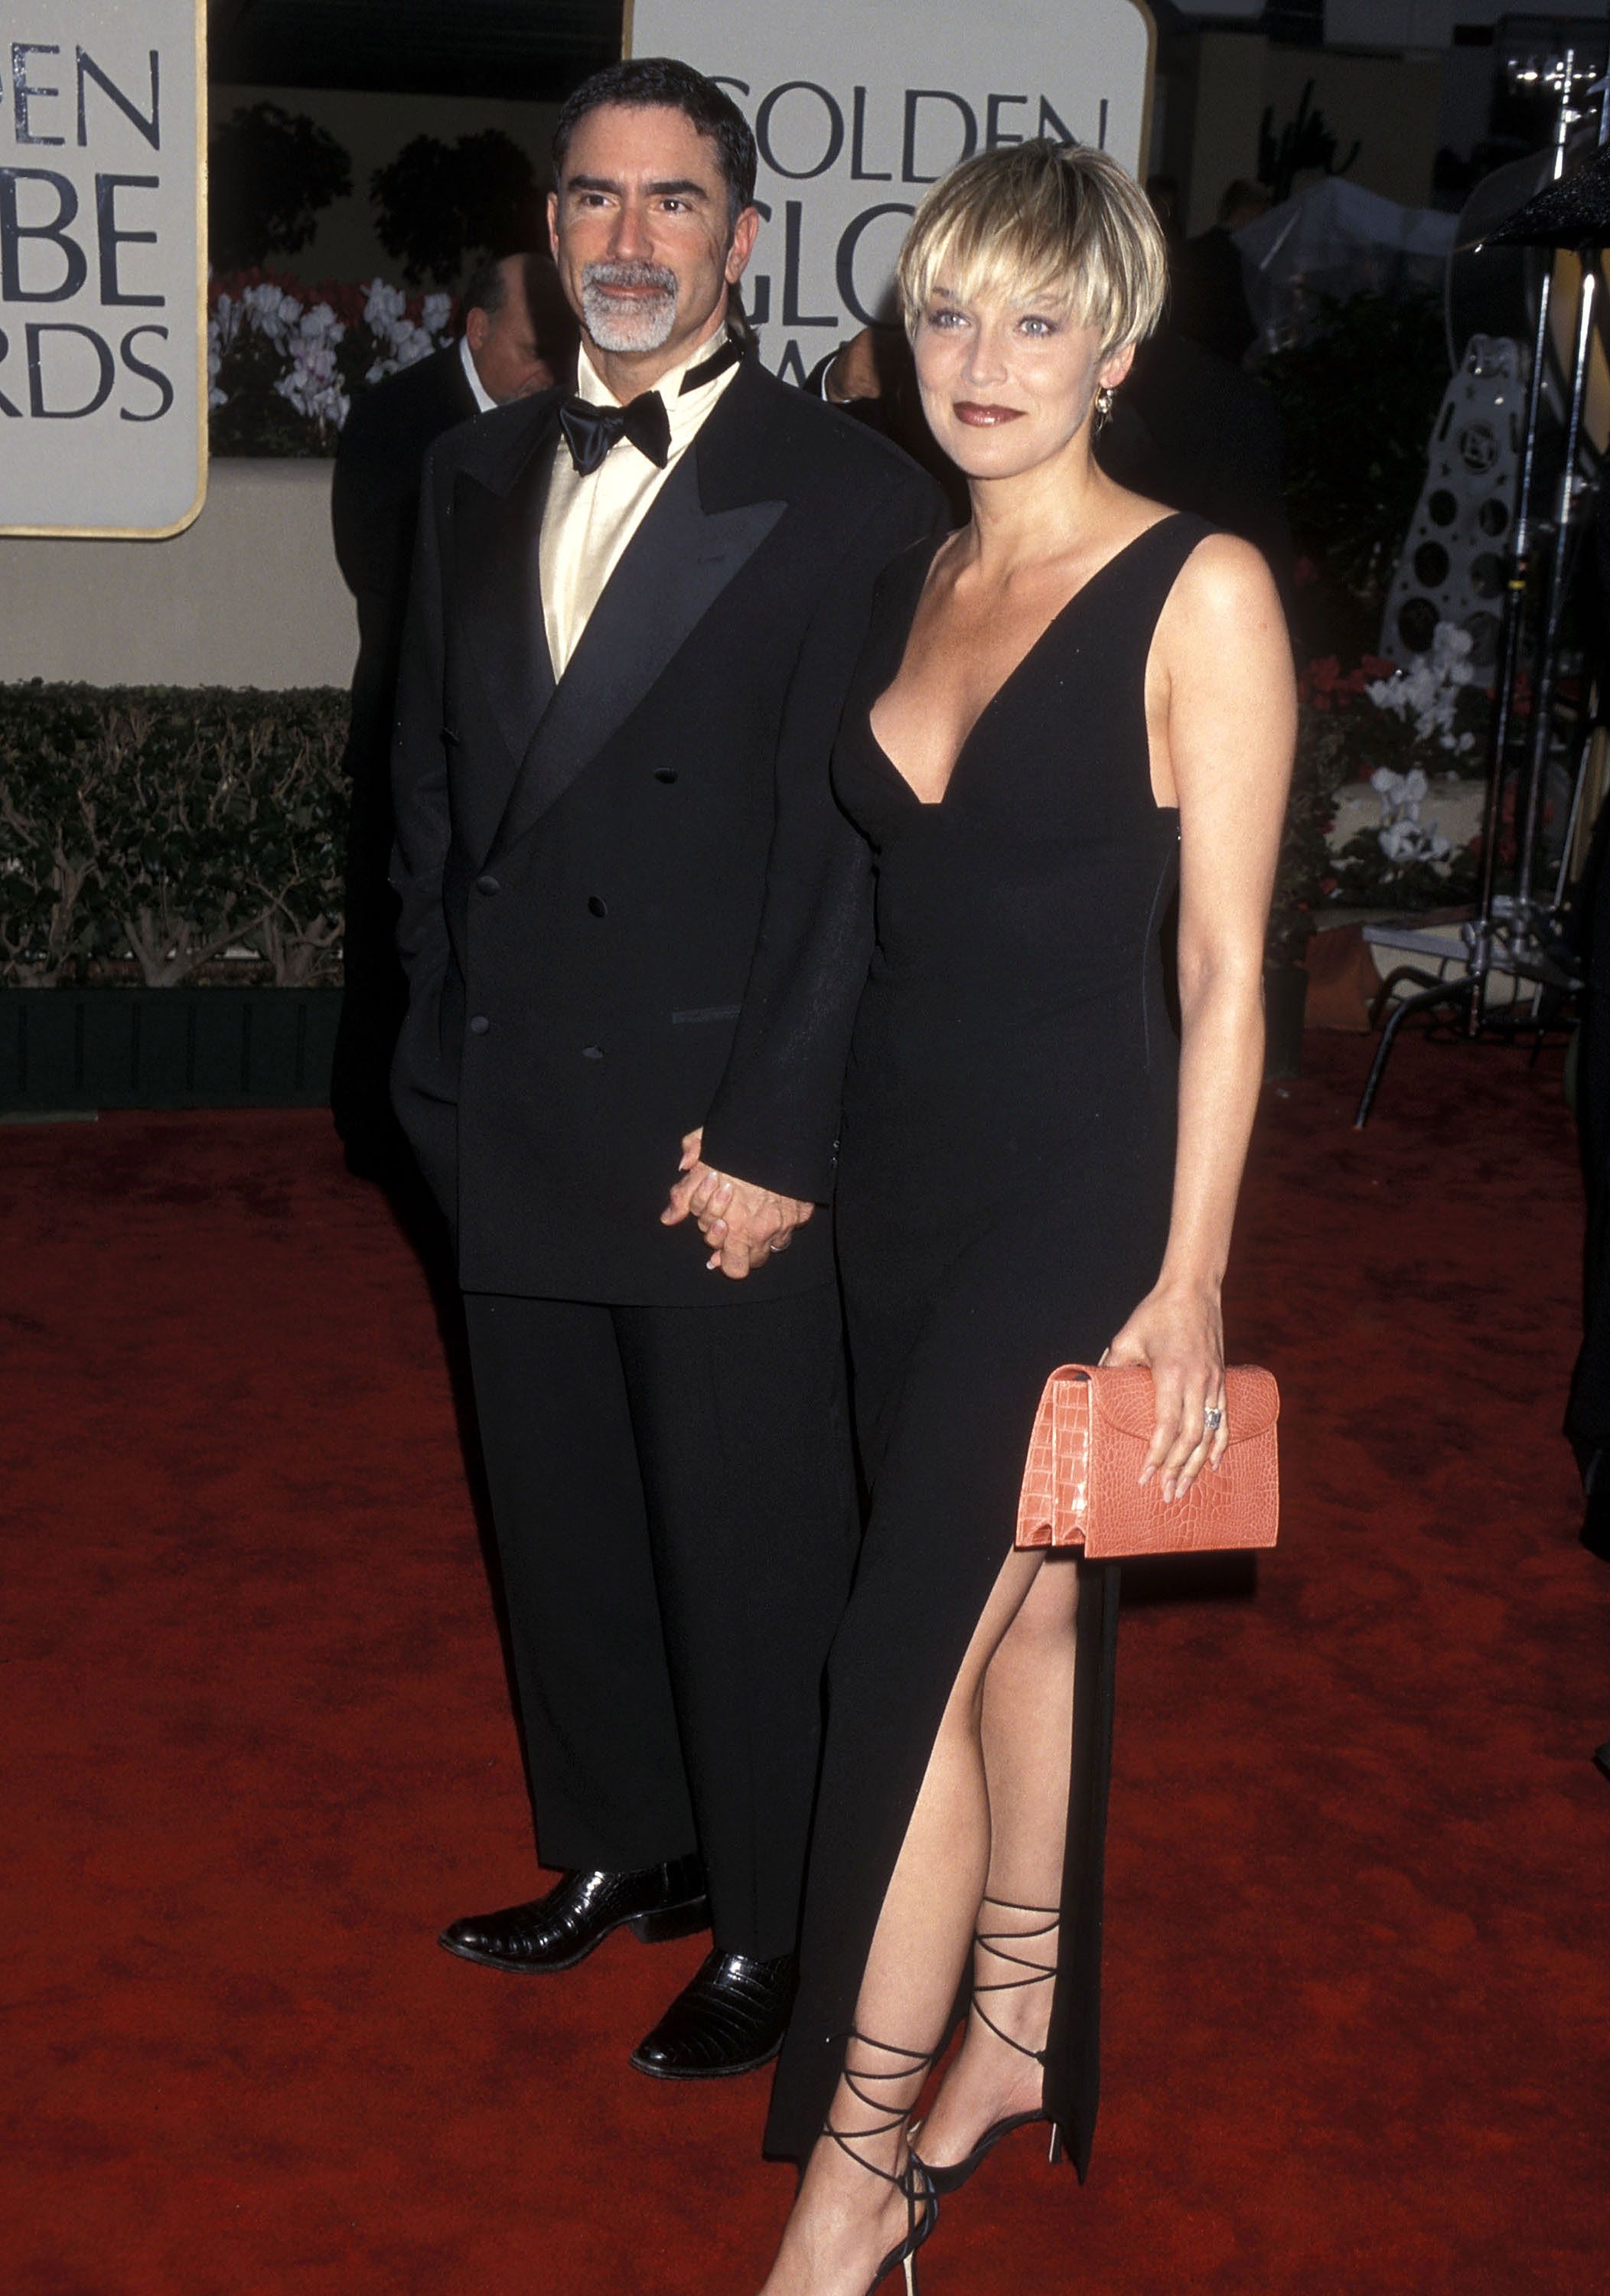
(1080, 1483)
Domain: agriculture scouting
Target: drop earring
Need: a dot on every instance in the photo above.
(1104, 407)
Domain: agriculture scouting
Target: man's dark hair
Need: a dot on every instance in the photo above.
(486, 289)
(644, 82)
(552, 320)
(1243, 198)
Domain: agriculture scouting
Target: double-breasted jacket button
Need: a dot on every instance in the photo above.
(597, 906)
(488, 885)
(665, 773)
(479, 1024)
(593, 1052)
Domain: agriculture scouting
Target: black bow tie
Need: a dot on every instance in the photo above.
(591, 431)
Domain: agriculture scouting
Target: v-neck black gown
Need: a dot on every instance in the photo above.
(1003, 1205)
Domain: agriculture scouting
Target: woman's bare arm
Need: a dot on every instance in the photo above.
(1223, 692)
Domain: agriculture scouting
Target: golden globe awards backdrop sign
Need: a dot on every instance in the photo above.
(857, 105)
(103, 271)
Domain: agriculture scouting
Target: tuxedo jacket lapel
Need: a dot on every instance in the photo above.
(500, 592)
(676, 565)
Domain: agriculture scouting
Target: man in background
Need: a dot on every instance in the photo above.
(1163, 192)
(519, 337)
(1209, 302)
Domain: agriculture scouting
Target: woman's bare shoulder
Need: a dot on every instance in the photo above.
(1223, 630)
(1224, 576)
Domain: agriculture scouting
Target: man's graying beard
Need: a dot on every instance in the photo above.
(642, 325)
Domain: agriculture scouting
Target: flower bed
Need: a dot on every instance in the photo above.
(1417, 739)
(285, 361)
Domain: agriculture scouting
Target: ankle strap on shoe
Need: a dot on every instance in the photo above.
(1039, 1973)
(915, 2063)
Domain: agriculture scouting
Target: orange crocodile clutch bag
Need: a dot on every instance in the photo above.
(1082, 1485)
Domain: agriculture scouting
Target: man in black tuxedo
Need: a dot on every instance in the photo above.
(635, 615)
(519, 337)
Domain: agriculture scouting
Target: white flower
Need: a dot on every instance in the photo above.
(312, 385)
(435, 312)
(1405, 840)
(384, 309)
(1402, 836)
(319, 321)
(1428, 693)
(270, 311)
(220, 333)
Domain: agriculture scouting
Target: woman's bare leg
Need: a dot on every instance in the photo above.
(845, 2220)
(1027, 1738)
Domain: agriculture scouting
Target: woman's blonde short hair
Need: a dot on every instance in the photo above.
(1041, 219)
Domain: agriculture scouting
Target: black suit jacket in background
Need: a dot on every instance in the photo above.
(1209, 296)
(608, 887)
(373, 508)
(1193, 432)
(374, 505)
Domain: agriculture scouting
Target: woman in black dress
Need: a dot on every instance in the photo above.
(1070, 711)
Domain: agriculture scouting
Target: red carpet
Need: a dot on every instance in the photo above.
(1359, 1972)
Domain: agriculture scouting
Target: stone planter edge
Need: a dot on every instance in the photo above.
(184, 1048)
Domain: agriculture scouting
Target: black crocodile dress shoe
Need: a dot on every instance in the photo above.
(729, 2019)
(579, 1912)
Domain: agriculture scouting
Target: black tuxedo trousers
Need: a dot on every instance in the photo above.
(624, 895)
(676, 1526)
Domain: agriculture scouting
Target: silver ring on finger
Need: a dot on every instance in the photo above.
(1212, 1417)
(779, 1246)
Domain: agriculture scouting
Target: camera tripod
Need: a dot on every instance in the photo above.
(1515, 932)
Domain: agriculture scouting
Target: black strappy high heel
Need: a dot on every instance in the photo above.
(914, 2182)
(952, 2178)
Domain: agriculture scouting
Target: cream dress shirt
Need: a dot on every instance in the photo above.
(587, 522)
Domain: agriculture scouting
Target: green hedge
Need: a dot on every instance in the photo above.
(146, 830)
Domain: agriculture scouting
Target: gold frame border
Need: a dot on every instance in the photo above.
(166, 533)
(628, 10)
(1143, 158)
